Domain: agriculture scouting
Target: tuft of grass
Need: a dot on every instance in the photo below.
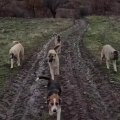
(103, 30)
(46, 116)
(32, 33)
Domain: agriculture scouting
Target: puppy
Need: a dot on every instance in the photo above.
(54, 97)
(16, 52)
(110, 54)
(53, 61)
(58, 42)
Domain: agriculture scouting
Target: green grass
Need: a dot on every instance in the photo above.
(103, 30)
(32, 33)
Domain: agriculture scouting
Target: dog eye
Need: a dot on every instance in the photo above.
(56, 104)
(52, 104)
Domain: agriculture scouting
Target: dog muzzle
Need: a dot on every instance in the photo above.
(50, 59)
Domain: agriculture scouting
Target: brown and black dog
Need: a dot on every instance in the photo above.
(54, 96)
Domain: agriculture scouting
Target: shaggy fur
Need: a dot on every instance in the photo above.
(16, 53)
(53, 61)
(58, 42)
(110, 54)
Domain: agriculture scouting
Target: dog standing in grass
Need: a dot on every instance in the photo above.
(53, 61)
(58, 42)
(110, 54)
(16, 53)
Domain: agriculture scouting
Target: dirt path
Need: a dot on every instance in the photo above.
(86, 91)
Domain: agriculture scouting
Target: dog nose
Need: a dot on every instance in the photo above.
(54, 111)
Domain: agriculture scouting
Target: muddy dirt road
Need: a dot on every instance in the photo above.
(86, 92)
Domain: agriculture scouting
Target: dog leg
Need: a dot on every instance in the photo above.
(18, 60)
(12, 62)
(59, 114)
(102, 56)
(107, 64)
(57, 71)
(22, 54)
(51, 72)
(114, 65)
(60, 49)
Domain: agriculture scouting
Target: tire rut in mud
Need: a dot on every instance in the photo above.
(86, 95)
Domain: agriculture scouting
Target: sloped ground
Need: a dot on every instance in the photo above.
(86, 91)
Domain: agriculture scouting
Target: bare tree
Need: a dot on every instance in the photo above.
(32, 5)
(53, 5)
(101, 6)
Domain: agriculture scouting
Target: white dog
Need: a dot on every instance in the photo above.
(16, 52)
(57, 41)
(53, 61)
(109, 53)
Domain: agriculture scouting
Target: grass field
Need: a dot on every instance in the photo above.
(32, 33)
(101, 31)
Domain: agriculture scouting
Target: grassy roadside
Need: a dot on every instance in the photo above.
(32, 33)
(103, 30)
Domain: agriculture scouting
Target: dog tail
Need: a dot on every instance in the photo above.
(15, 42)
(43, 77)
(56, 47)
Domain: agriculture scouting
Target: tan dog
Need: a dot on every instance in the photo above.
(110, 54)
(16, 52)
(57, 41)
(53, 61)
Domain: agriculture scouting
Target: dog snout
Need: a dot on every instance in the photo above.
(54, 110)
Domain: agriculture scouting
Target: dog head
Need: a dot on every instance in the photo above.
(54, 102)
(52, 55)
(115, 55)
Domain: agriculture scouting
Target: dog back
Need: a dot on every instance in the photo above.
(54, 87)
